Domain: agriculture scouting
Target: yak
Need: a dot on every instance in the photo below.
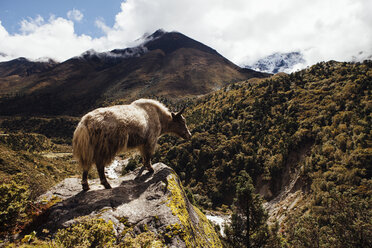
(104, 132)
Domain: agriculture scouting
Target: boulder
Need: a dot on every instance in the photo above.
(138, 203)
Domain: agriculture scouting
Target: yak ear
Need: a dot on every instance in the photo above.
(173, 115)
(181, 111)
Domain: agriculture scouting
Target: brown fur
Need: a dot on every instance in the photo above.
(104, 132)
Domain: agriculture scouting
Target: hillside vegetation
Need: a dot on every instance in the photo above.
(255, 129)
(30, 164)
(36, 150)
(254, 126)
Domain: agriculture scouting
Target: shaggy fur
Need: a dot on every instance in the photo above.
(104, 132)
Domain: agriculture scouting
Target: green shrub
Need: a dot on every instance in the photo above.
(144, 240)
(13, 204)
(133, 162)
(87, 233)
(26, 142)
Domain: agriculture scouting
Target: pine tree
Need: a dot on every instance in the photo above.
(248, 222)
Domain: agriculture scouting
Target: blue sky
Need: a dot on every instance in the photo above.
(241, 30)
(12, 12)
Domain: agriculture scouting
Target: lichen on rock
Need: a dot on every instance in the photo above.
(198, 232)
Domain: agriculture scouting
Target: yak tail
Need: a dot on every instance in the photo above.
(81, 146)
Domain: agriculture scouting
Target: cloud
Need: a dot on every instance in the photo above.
(54, 38)
(244, 31)
(31, 25)
(241, 30)
(100, 23)
(75, 15)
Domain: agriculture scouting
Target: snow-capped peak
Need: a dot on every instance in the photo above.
(279, 62)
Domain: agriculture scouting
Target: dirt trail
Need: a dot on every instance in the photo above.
(56, 154)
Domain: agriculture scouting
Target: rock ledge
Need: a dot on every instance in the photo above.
(147, 202)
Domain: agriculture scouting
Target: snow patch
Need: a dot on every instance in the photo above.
(279, 62)
(114, 54)
(139, 48)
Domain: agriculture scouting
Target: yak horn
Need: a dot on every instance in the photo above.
(181, 111)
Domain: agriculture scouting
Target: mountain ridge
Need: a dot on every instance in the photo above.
(166, 64)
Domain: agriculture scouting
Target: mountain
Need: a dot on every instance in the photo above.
(166, 64)
(278, 62)
(24, 67)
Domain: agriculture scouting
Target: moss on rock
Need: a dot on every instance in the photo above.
(143, 240)
(197, 231)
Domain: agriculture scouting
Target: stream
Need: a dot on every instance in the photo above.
(219, 220)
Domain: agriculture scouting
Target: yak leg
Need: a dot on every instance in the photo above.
(147, 163)
(102, 177)
(146, 157)
(86, 166)
(84, 182)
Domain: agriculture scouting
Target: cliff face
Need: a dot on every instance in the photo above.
(139, 205)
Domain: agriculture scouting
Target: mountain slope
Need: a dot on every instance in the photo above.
(166, 64)
(23, 67)
(304, 139)
(257, 125)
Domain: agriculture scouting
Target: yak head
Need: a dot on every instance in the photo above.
(178, 125)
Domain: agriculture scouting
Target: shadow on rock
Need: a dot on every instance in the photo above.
(94, 201)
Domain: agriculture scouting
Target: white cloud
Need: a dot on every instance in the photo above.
(75, 15)
(31, 25)
(100, 23)
(241, 30)
(54, 38)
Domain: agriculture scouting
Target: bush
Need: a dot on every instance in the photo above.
(13, 204)
(133, 162)
(144, 240)
(87, 233)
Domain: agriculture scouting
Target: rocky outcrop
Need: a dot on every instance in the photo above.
(292, 185)
(138, 202)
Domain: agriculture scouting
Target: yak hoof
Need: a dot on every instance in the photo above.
(150, 169)
(85, 187)
(107, 185)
